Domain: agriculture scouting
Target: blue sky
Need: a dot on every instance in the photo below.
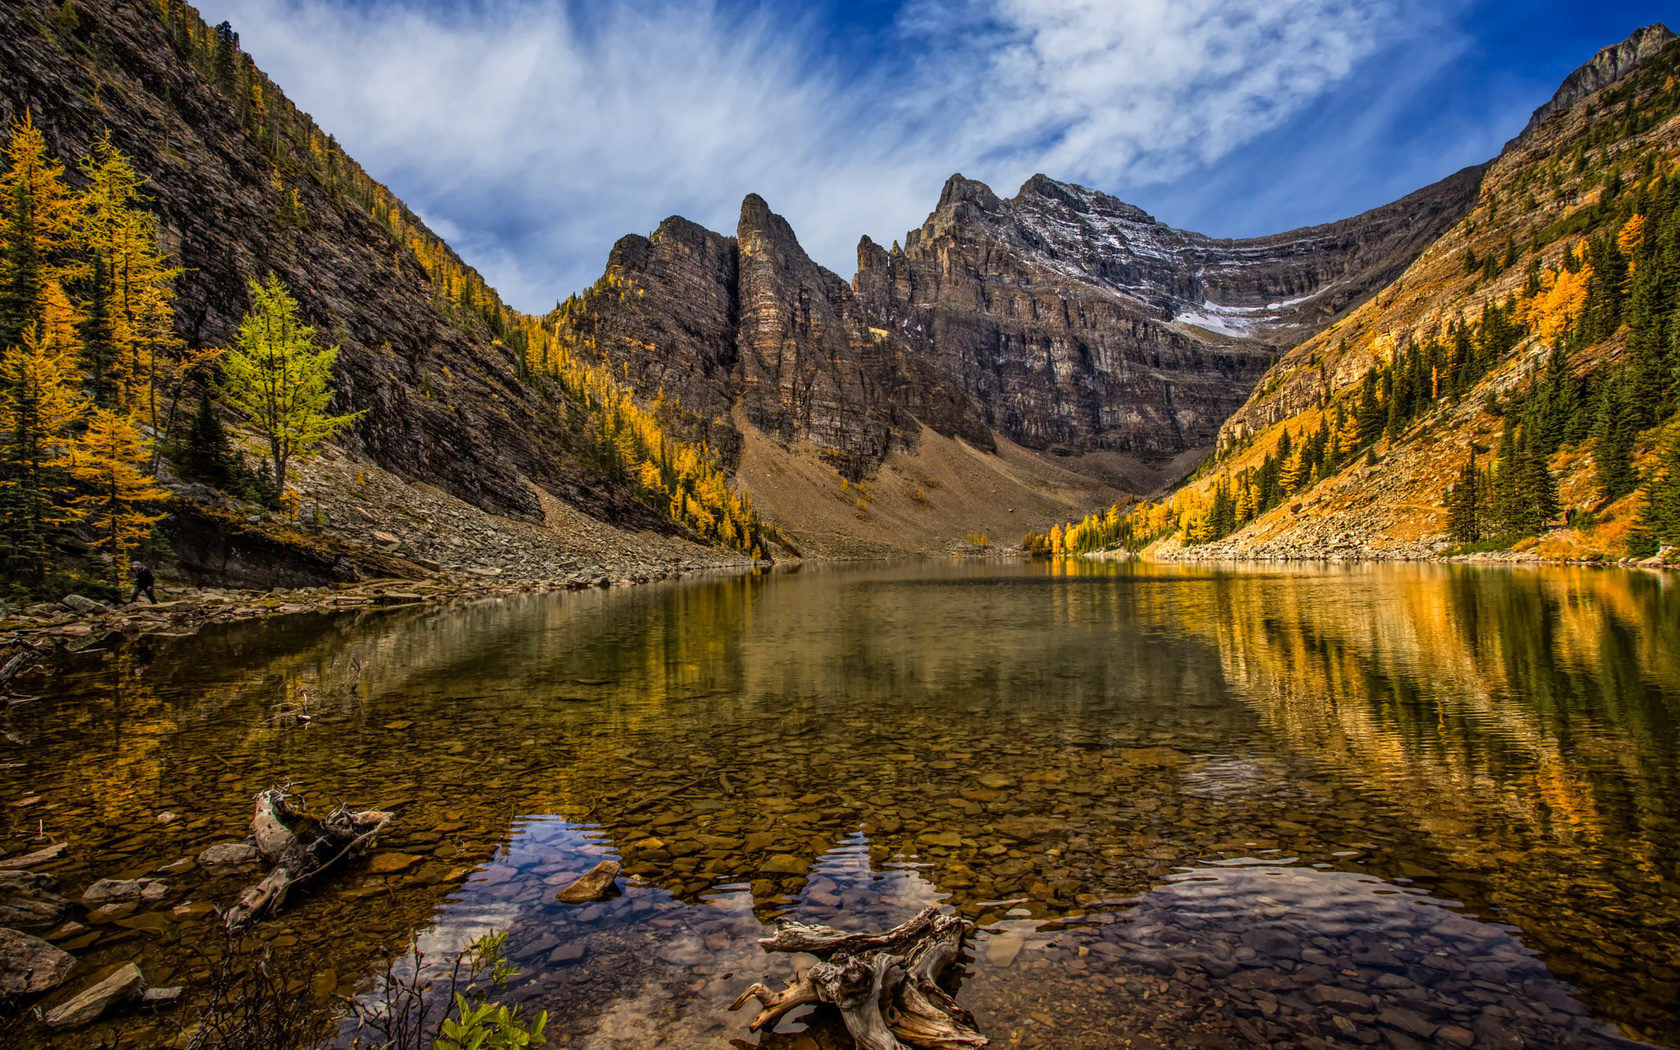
(533, 133)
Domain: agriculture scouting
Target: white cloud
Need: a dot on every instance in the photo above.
(533, 133)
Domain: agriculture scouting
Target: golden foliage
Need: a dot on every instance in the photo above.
(109, 461)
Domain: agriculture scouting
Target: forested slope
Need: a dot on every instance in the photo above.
(1514, 389)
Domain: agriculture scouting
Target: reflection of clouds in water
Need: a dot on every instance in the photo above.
(1221, 777)
(651, 969)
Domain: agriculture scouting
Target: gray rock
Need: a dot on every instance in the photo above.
(123, 987)
(107, 891)
(162, 996)
(30, 900)
(85, 606)
(40, 856)
(29, 965)
(230, 855)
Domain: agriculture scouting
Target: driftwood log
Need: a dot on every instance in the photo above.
(885, 985)
(298, 855)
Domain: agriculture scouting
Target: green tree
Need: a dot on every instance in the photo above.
(275, 375)
(1659, 511)
(207, 455)
(1464, 518)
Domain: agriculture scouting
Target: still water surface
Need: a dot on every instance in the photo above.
(1397, 806)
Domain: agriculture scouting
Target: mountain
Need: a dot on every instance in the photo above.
(1512, 392)
(1068, 332)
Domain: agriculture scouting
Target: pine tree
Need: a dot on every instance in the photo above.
(1464, 505)
(109, 460)
(137, 286)
(99, 349)
(1506, 499)
(279, 380)
(1613, 443)
(207, 455)
(1539, 488)
(37, 229)
(37, 406)
(20, 270)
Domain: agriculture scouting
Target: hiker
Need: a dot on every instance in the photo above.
(143, 581)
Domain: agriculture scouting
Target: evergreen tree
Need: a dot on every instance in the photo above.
(1659, 517)
(208, 455)
(1464, 505)
(99, 349)
(1506, 499)
(38, 211)
(1539, 488)
(1613, 443)
(20, 270)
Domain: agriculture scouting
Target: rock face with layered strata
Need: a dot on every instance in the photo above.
(1062, 318)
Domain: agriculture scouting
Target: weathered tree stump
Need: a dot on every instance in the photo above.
(885, 985)
(298, 856)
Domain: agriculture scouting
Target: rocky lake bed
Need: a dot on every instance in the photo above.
(1160, 837)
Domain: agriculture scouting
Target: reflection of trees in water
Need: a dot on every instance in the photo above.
(1525, 719)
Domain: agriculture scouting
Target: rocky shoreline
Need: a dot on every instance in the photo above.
(1668, 560)
(76, 624)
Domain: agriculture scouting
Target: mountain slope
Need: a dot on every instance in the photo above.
(1537, 329)
(460, 394)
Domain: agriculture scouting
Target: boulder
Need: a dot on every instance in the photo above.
(29, 965)
(82, 606)
(125, 986)
(30, 900)
(40, 856)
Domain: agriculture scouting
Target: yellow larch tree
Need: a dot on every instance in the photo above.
(110, 461)
(38, 404)
(130, 311)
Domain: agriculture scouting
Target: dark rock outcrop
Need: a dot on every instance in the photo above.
(711, 324)
(1602, 70)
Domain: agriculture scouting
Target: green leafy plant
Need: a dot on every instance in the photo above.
(489, 1026)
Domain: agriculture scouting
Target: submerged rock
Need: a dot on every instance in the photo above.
(230, 855)
(123, 987)
(30, 900)
(107, 891)
(29, 965)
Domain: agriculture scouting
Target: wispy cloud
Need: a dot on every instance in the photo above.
(533, 133)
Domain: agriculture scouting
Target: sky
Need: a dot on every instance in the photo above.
(532, 134)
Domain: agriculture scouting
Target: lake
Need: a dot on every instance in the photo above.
(1386, 805)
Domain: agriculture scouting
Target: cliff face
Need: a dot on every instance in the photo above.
(1076, 321)
(1062, 319)
(442, 398)
(749, 330)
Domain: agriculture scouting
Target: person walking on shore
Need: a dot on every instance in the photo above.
(143, 582)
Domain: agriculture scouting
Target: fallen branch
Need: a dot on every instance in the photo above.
(298, 857)
(885, 985)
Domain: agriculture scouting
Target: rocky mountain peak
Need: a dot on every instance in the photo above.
(1607, 67)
